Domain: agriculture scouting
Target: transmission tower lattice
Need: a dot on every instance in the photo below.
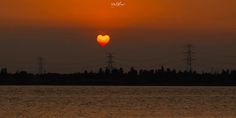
(110, 61)
(41, 64)
(189, 57)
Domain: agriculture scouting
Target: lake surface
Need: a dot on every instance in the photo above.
(117, 102)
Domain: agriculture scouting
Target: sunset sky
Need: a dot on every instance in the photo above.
(157, 14)
(144, 33)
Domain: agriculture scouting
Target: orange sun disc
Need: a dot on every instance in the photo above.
(103, 40)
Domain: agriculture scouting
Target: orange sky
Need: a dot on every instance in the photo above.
(64, 32)
(166, 14)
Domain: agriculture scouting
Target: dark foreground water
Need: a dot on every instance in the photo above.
(117, 102)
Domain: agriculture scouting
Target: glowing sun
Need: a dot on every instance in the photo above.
(103, 40)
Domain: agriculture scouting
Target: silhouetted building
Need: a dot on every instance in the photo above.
(4, 71)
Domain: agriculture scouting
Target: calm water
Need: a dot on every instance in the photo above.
(117, 102)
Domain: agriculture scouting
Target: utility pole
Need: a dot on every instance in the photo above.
(41, 64)
(110, 61)
(189, 53)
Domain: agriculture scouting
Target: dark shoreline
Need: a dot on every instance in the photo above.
(123, 83)
(116, 77)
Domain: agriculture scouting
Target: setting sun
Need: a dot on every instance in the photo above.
(103, 40)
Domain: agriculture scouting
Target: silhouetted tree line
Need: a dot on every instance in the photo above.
(160, 77)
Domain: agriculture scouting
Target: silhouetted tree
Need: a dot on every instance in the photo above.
(160, 76)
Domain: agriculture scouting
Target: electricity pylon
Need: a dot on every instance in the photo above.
(189, 53)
